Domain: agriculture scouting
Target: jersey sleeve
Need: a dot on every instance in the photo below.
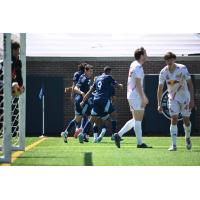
(162, 78)
(186, 74)
(79, 82)
(137, 73)
(75, 77)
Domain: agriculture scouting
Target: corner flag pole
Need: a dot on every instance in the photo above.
(43, 115)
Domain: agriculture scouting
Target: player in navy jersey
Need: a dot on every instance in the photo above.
(102, 106)
(80, 89)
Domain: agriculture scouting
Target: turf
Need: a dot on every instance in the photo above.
(54, 152)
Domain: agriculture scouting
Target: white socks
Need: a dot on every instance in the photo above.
(95, 136)
(138, 132)
(173, 133)
(128, 126)
(103, 131)
(187, 130)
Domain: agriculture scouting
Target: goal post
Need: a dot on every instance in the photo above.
(6, 100)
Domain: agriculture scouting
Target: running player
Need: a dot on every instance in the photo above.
(136, 98)
(80, 89)
(181, 96)
(102, 106)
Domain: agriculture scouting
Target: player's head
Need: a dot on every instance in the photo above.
(88, 70)
(140, 55)
(107, 69)
(81, 66)
(170, 58)
(15, 46)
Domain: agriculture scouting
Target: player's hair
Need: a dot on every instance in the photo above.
(139, 52)
(107, 69)
(15, 45)
(81, 66)
(169, 55)
(87, 67)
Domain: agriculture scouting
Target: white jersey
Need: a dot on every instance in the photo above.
(135, 71)
(176, 82)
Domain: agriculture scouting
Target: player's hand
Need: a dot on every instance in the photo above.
(191, 104)
(81, 104)
(160, 110)
(22, 89)
(121, 86)
(83, 94)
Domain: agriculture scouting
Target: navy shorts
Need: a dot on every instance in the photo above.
(102, 107)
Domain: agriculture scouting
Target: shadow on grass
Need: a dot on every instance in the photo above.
(88, 159)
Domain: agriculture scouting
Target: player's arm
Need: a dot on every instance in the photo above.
(191, 90)
(78, 91)
(88, 94)
(159, 96)
(140, 91)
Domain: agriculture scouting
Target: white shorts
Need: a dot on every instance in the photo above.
(135, 104)
(176, 107)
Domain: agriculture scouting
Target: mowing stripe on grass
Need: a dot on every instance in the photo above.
(16, 154)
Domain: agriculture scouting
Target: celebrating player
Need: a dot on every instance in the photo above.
(181, 96)
(136, 98)
(102, 106)
(80, 89)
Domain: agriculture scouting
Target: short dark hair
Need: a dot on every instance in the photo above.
(87, 67)
(169, 55)
(81, 66)
(15, 45)
(107, 69)
(139, 52)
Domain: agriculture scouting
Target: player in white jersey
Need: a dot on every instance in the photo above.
(136, 98)
(181, 96)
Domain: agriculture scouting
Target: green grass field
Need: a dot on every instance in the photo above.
(54, 152)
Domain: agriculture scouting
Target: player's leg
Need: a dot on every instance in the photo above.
(185, 111)
(73, 123)
(174, 110)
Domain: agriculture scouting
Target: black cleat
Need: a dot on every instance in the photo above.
(85, 139)
(117, 139)
(112, 138)
(143, 146)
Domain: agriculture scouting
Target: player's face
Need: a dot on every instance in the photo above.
(89, 72)
(170, 62)
(15, 53)
(143, 58)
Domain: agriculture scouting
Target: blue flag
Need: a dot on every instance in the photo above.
(41, 93)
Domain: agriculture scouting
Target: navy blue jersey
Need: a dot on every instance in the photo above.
(84, 83)
(112, 91)
(103, 86)
(77, 76)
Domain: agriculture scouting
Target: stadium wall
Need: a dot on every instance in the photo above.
(65, 68)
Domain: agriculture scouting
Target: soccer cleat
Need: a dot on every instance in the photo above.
(188, 143)
(86, 138)
(77, 132)
(143, 146)
(81, 138)
(64, 135)
(172, 148)
(112, 138)
(95, 140)
(117, 139)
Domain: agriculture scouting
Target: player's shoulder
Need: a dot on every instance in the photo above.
(164, 70)
(180, 66)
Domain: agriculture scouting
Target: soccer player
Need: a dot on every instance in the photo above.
(82, 87)
(102, 106)
(181, 96)
(136, 98)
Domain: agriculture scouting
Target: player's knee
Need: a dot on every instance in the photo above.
(186, 121)
(174, 120)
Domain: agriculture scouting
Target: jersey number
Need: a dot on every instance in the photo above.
(99, 85)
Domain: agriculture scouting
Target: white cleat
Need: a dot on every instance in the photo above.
(172, 148)
(188, 143)
(64, 135)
